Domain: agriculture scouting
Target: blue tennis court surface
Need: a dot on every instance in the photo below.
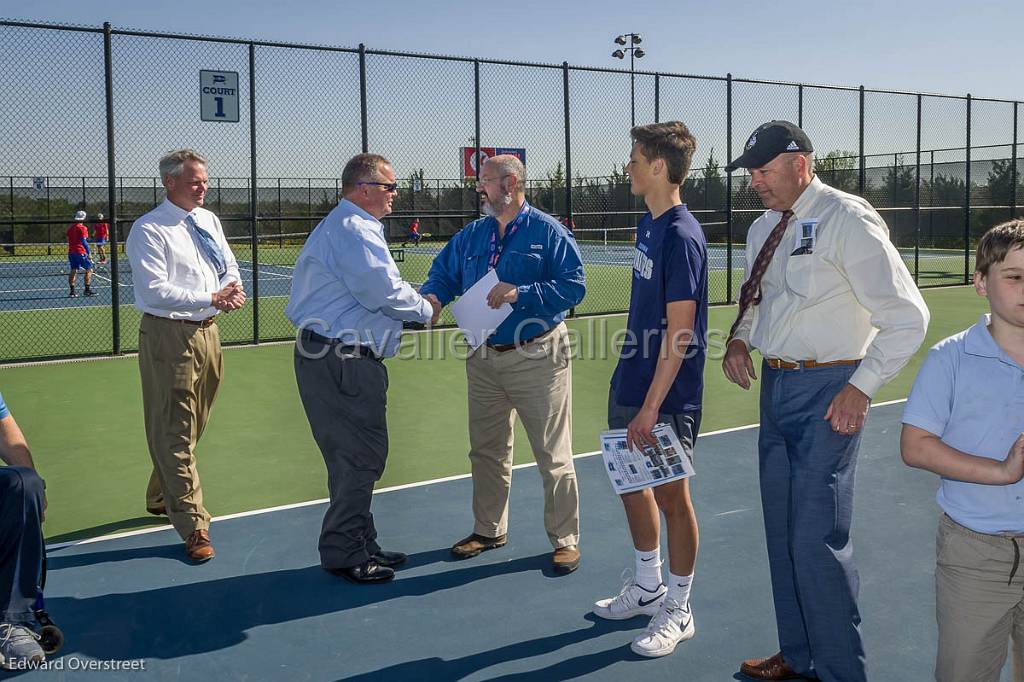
(264, 610)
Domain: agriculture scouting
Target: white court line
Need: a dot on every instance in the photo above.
(389, 489)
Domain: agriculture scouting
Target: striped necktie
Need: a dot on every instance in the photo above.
(211, 249)
(750, 294)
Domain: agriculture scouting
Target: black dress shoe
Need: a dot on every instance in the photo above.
(388, 559)
(366, 572)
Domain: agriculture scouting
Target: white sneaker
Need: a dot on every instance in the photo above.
(670, 626)
(633, 600)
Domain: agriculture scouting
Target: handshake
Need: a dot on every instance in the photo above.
(435, 303)
(231, 297)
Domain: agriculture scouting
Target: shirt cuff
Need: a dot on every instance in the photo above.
(205, 300)
(866, 381)
(523, 297)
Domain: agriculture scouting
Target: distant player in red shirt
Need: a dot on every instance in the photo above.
(78, 254)
(414, 233)
(100, 237)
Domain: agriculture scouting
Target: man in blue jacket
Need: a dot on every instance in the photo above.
(523, 367)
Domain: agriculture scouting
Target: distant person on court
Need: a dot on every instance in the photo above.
(100, 237)
(828, 302)
(22, 502)
(348, 301)
(78, 255)
(659, 379)
(523, 368)
(414, 232)
(184, 275)
(964, 420)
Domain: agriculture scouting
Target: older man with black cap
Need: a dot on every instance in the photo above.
(831, 307)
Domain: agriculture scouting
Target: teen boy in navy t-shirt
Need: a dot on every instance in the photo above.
(659, 378)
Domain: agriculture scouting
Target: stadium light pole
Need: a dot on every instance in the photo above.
(632, 39)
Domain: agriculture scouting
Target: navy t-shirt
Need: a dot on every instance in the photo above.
(670, 264)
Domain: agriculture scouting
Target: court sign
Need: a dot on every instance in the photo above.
(470, 160)
(218, 96)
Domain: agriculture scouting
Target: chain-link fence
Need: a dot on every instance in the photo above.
(90, 110)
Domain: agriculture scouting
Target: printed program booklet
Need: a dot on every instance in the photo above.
(631, 470)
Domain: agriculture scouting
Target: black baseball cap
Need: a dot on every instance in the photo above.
(770, 140)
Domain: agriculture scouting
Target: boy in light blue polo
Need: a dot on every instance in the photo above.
(964, 421)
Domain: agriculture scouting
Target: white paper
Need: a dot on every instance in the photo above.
(630, 469)
(475, 318)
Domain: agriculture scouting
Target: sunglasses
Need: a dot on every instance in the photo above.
(388, 186)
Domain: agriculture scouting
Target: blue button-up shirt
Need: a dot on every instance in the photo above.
(541, 258)
(347, 286)
(970, 393)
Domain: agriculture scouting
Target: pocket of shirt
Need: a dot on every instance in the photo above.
(523, 268)
(799, 274)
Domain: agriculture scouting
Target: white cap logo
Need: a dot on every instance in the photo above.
(752, 141)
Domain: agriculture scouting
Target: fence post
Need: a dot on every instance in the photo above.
(253, 198)
(967, 199)
(862, 175)
(1013, 165)
(115, 293)
(476, 120)
(728, 189)
(657, 98)
(800, 105)
(917, 199)
(362, 96)
(49, 225)
(568, 158)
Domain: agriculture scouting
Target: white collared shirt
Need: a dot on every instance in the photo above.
(346, 284)
(852, 297)
(171, 276)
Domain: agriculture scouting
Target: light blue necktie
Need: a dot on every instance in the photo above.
(211, 249)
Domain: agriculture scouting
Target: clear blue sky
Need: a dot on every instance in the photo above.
(420, 111)
(944, 46)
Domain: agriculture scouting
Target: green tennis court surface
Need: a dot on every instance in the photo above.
(83, 420)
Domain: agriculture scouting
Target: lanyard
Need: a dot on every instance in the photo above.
(495, 247)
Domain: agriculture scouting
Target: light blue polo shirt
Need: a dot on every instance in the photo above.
(3, 408)
(970, 393)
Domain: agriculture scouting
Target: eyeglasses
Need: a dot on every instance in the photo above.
(388, 186)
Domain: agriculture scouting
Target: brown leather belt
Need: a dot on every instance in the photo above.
(195, 323)
(505, 347)
(775, 363)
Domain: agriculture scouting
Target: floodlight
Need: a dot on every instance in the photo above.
(619, 54)
(636, 38)
(621, 40)
(639, 53)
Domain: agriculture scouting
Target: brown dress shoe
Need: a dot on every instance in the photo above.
(774, 668)
(198, 546)
(474, 544)
(566, 559)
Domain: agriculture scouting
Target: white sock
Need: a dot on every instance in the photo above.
(679, 588)
(648, 569)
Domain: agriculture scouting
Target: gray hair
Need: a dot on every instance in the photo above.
(173, 162)
(507, 164)
(361, 168)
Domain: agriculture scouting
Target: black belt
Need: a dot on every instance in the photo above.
(505, 347)
(196, 323)
(365, 351)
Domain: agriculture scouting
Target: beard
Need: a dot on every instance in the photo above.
(489, 209)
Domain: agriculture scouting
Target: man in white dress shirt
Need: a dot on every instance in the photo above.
(831, 307)
(184, 275)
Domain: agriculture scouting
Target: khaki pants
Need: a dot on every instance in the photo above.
(181, 368)
(535, 382)
(978, 609)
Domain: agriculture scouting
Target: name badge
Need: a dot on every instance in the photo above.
(806, 236)
(537, 247)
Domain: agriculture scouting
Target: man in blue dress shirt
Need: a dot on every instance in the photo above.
(523, 368)
(349, 301)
